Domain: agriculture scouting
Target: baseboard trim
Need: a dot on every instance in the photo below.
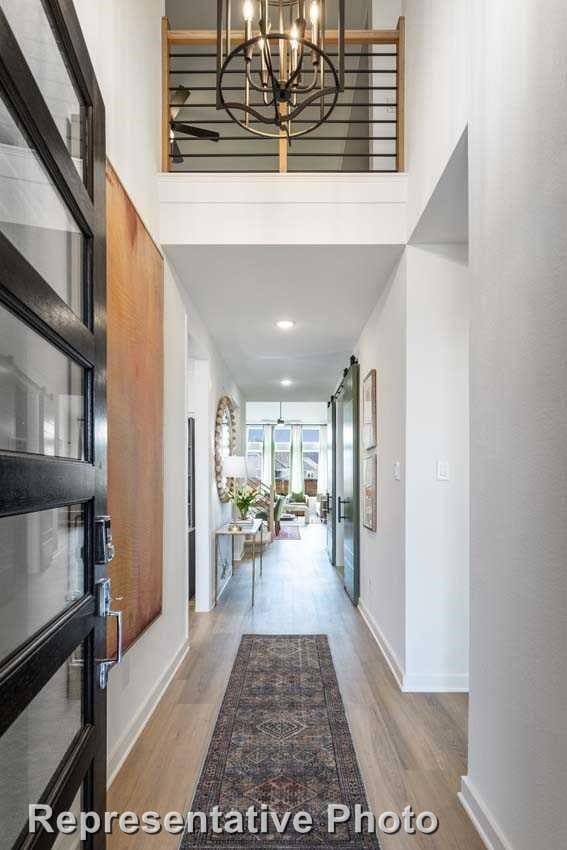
(436, 684)
(122, 749)
(383, 645)
(481, 817)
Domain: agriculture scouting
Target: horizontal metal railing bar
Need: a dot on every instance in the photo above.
(239, 73)
(241, 88)
(251, 137)
(343, 171)
(197, 122)
(331, 55)
(290, 171)
(225, 155)
(275, 154)
(263, 106)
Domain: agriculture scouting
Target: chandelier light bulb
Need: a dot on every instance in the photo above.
(314, 14)
(285, 324)
(294, 35)
(248, 10)
(286, 382)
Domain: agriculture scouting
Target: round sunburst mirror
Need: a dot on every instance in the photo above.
(225, 443)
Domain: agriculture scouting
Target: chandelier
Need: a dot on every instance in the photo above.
(274, 75)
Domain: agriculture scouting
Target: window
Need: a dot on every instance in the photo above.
(254, 451)
(282, 465)
(311, 449)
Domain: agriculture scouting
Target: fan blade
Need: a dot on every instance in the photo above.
(178, 99)
(177, 156)
(198, 132)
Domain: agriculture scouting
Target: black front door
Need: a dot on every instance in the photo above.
(348, 503)
(54, 537)
(331, 480)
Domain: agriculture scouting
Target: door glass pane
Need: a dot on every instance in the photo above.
(42, 406)
(34, 217)
(42, 570)
(73, 840)
(34, 745)
(39, 44)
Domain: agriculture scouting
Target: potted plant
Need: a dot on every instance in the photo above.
(243, 498)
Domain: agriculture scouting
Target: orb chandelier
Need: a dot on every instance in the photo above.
(274, 75)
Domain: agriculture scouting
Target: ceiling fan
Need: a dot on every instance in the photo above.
(178, 100)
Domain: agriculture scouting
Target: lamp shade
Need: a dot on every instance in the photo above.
(234, 466)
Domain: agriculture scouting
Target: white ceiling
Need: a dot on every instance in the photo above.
(241, 291)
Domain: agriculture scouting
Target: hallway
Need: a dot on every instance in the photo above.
(411, 747)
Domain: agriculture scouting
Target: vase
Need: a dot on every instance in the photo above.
(243, 513)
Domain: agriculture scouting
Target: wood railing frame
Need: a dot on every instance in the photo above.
(209, 37)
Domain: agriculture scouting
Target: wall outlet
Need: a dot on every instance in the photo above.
(442, 470)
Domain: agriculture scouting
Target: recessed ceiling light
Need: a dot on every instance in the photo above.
(286, 382)
(285, 324)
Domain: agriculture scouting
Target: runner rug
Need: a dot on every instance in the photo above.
(281, 744)
(289, 532)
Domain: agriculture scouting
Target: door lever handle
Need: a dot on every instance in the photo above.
(104, 609)
(341, 516)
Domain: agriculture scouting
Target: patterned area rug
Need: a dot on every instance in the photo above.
(282, 741)
(289, 532)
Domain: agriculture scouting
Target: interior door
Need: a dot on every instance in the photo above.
(348, 503)
(55, 538)
(191, 505)
(331, 480)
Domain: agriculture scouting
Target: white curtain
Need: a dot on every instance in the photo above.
(296, 484)
(322, 470)
(267, 457)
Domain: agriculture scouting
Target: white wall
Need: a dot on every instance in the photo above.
(306, 412)
(516, 786)
(437, 429)
(385, 14)
(437, 92)
(294, 209)
(414, 568)
(124, 42)
(382, 595)
(209, 379)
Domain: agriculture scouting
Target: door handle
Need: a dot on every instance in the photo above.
(104, 609)
(341, 516)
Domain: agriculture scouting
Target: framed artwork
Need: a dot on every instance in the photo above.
(135, 396)
(369, 411)
(369, 492)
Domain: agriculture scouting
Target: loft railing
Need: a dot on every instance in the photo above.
(364, 134)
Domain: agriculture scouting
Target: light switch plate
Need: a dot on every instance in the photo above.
(442, 470)
(397, 471)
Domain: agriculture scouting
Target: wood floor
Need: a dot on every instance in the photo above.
(411, 747)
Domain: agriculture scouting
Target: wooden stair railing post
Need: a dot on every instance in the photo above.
(165, 112)
(400, 95)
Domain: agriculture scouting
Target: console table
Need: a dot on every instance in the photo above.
(252, 531)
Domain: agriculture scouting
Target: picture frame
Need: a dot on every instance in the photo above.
(369, 493)
(369, 411)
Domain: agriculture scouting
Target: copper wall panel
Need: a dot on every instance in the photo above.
(135, 412)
